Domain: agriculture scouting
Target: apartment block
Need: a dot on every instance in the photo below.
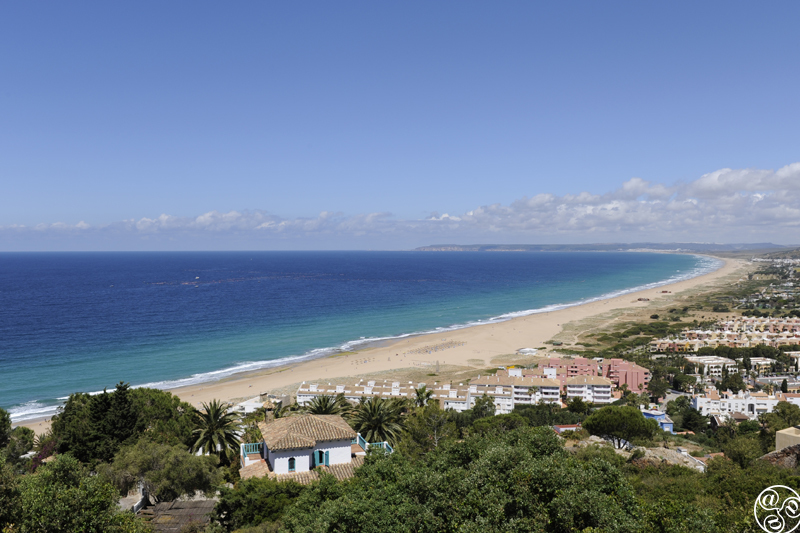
(591, 389)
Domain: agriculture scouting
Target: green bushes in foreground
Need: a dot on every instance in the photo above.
(503, 479)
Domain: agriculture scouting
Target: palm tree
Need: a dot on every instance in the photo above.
(423, 395)
(216, 430)
(329, 405)
(287, 410)
(379, 420)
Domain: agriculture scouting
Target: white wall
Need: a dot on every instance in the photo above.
(279, 461)
(339, 451)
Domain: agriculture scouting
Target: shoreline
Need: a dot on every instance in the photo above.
(470, 346)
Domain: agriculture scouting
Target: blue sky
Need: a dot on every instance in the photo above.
(360, 124)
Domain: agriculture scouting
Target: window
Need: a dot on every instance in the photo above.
(291, 464)
(320, 457)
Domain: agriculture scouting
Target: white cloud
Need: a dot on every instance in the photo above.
(725, 205)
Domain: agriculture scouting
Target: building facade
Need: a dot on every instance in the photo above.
(750, 404)
(590, 389)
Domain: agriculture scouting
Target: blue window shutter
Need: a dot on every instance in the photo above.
(291, 464)
(327, 458)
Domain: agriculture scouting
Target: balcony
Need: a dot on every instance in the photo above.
(361, 441)
(251, 453)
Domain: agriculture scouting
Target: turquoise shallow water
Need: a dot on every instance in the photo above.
(84, 321)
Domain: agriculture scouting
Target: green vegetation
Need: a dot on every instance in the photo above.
(621, 424)
(470, 471)
(63, 497)
(15, 442)
(255, 502)
(93, 428)
(328, 405)
(166, 472)
(498, 474)
(379, 420)
(216, 429)
(422, 396)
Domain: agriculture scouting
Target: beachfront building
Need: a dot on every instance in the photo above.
(354, 392)
(752, 404)
(299, 447)
(506, 391)
(510, 391)
(574, 366)
(622, 372)
(452, 397)
(711, 365)
(619, 371)
(558, 368)
(590, 389)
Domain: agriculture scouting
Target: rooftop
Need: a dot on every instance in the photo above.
(304, 431)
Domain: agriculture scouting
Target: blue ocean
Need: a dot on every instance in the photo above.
(85, 321)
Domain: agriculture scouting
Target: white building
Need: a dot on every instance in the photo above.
(356, 391)
(761, 364)
(452, 397)
(506, 392)
(591, 389)
(712, 365)
(750, 404)
(510, 391)
(294, 447)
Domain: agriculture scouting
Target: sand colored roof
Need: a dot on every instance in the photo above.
(304, 431)
(588, 380)
(259, 469)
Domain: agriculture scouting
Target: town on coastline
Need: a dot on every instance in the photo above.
(666, 395)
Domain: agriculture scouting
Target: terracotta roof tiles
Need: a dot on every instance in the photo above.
(304, 431)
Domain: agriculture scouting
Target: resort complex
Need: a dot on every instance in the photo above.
(740, 332)
(750, 404)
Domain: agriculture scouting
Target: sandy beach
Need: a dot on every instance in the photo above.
(476, 347)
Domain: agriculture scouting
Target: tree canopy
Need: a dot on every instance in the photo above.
(166, 472)
(379, 420)
(61, 497)
(621, 424)
(326, 404)
(518, 481)
(93, 428)
(216, 431)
